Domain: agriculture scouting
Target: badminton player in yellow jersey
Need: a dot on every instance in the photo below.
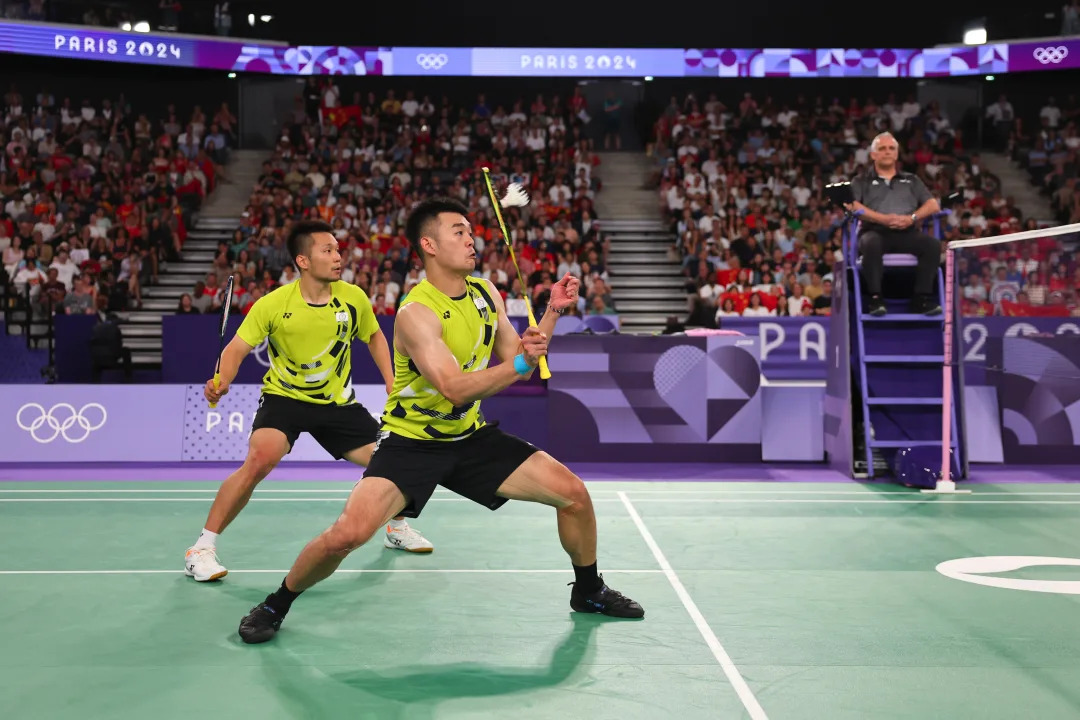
(433, 430)
(309, 325)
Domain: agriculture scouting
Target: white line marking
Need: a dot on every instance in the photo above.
(951, 501)
(741, 688)
(339, 571)
(592, 489)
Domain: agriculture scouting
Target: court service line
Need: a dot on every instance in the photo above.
(338, 571)
(734, 677)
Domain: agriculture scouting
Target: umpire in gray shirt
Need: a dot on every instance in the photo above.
(893, 204)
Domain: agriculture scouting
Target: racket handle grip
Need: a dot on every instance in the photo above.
(544, 372)
(217, 383)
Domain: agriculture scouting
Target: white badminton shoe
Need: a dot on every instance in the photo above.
(406, 538)
(202, 564)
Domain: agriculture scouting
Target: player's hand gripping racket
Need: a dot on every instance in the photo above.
(226, 303)
(515, 197)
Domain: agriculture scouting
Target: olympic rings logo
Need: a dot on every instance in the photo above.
(59, 420)
(1051, 55)
(432, 61)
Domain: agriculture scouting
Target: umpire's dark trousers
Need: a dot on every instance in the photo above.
(876, 242)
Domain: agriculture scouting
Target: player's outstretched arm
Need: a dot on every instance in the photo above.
(231, 358)
(418, 332)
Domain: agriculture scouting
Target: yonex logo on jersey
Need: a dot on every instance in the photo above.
(286, 316)
(341, 316)
(446, 315)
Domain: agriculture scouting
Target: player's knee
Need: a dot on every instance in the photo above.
(574, 490)
(347, 535)
(259, 464)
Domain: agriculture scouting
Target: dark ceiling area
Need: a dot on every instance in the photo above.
(687, 23)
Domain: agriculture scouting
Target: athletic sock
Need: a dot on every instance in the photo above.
(396, 524)
(282, 599)
(206, 539)
(586, 579)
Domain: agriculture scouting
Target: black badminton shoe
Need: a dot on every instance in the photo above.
(605, 601)
(261, 624)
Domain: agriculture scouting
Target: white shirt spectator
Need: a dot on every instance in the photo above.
(1052, 115)
(760, 311)
(711, 293)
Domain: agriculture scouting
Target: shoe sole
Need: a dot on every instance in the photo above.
(215, 576)
(589, 610)
(420, 551)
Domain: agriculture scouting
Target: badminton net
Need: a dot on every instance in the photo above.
(1013, 318)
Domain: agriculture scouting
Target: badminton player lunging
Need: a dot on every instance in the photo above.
(311, 324)
(433, 430)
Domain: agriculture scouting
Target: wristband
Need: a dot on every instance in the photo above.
(521, 365)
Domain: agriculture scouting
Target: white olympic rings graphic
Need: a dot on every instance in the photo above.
(1050, 55)
(432, 61)
(59, 419)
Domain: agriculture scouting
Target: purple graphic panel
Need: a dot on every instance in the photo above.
(91, 423)
(1053, 54)
(1039, 398)
(792, 348)
(662, 399)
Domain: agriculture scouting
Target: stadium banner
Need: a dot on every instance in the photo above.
(792, 348)
(174, 423)
(796, 348)
(91, 423)
(209, 52)
(673, 398)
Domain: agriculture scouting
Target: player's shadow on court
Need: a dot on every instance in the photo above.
(411, 692)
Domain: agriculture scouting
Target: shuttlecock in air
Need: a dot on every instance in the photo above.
(515, 196)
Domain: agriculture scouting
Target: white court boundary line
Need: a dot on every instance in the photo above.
(926, 500)
(741, 688)
(513, 571)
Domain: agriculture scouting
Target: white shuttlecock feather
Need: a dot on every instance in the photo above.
(515, 196)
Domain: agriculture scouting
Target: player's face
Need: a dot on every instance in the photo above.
(455, 243)
(324, 260)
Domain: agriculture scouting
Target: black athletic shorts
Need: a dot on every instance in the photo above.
(338, 428)
(474, 467)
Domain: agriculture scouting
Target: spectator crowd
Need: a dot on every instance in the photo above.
(742, 184)
(362, 162)
(96, 194)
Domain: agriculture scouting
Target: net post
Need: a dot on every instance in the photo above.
(945, 483)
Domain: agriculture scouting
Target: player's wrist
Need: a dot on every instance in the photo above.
(521, 364)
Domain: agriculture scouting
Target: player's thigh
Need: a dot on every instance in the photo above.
(373, 501)
(278, 422)
(415, 467)
(494, 467)
(346, 431)
(543, 479)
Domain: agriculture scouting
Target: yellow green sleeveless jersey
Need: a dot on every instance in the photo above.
(415, 409)
(309, 346)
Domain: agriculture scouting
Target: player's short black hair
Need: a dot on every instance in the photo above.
(299, 240)
(426, 212)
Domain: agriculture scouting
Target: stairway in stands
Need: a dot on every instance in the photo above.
(647, 284)
(215, 222)
(142, 327)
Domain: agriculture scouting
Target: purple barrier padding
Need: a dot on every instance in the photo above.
(1039, 397)
(173, 423)
(792, 427)
(982, 424)
(91, 423)
(662, 399)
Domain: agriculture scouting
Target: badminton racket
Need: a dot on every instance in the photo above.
(226, 303)
(515, 197)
